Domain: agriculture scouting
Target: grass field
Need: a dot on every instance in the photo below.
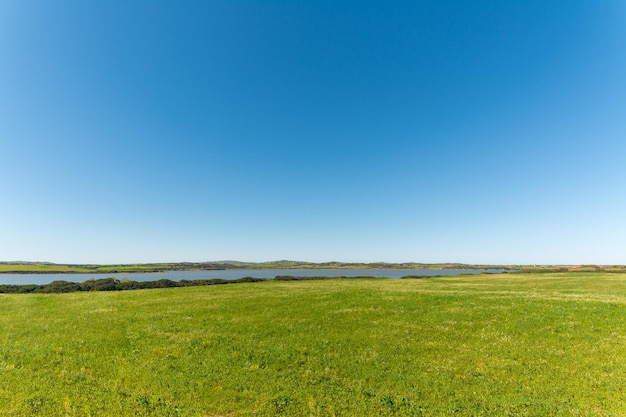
(41, 268)
(94, 269)
(487, 345)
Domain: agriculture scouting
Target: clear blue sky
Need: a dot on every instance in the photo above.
(428, 131)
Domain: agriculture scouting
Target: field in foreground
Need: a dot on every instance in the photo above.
(492, 345)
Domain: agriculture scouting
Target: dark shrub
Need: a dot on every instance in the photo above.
(106, 284)
(61, 286)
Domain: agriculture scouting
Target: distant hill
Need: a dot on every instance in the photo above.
(49, 267)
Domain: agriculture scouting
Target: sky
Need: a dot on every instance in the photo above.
(475, 131)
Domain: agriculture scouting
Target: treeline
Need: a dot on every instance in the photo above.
(114, 284)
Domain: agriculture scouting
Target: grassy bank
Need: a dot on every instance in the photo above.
(520, 345)
(34, 268)
(47, 268)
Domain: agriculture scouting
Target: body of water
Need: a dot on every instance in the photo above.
(41, 279)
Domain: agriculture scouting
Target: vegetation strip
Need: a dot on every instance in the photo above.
(114, 284)
(51, 268)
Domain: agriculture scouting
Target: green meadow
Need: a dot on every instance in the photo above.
(483, 345)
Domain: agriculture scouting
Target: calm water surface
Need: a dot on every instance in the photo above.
(41, 279)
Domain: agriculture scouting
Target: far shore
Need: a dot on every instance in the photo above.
(52, 268)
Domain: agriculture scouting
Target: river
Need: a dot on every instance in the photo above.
(41, 279)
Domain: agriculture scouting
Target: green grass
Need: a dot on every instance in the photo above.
(132, 268)
(59, 268)
(30, 267)
(488, 345)
(41, 268)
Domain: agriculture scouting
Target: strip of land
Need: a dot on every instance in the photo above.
(114, 284)
(51, 268)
